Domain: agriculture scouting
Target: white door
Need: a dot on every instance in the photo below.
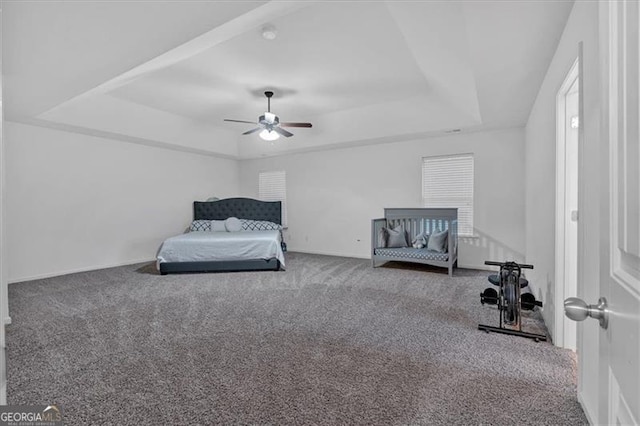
(609, 359)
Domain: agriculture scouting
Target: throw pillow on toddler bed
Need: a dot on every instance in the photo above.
(438, 241)
(392, 238)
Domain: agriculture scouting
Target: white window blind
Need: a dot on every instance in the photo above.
(448, 182)
(273, 187)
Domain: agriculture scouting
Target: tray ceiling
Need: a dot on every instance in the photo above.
(362, 72)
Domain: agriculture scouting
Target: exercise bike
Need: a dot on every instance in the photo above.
(509, 299)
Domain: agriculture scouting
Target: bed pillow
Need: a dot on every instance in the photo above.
(233, 224)
(396, 237)
(259, 225)
(218, 226)
(200, 225)
(438, 241)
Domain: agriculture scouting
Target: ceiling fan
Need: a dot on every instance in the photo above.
(270, 124)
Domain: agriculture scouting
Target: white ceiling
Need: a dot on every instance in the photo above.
(168, 73)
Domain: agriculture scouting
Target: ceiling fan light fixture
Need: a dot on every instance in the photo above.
(269, 135)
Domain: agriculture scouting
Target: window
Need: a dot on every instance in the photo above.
(447, 181)
(273, 187)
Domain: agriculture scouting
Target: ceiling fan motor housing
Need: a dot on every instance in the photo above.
(263, 120)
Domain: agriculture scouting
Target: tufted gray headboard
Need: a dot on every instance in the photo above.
(242, 208)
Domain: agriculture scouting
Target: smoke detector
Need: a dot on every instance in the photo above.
(269, 32)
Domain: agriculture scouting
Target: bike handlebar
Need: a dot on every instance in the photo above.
(501, 264)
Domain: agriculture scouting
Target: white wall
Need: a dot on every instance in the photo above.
(77, 202)
(4, 290)
(333, 195)
(540, 151)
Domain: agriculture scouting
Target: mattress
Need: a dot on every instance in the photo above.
(412, 253)
(222, 246)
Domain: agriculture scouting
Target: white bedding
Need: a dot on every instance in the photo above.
(214, 246)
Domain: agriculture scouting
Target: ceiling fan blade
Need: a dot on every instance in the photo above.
(295, 124)
(283, 132)
(248, 132)
(240, 121)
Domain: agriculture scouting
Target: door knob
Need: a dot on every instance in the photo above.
(577, 310)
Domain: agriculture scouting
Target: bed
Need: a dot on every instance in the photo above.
(207, 251)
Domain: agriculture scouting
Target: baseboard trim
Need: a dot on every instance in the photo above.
(359, 256)
(477, 267)
(325, 253)
(584, 408)
(77, 270)
(133, 262)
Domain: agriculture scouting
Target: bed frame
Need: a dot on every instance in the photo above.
(243, 208)
(415, 222)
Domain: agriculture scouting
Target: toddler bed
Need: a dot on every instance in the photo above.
(393, 237)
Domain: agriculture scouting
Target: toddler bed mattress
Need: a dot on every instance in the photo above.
(412, 253)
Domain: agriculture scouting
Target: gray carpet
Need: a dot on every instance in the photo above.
(329, 341)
